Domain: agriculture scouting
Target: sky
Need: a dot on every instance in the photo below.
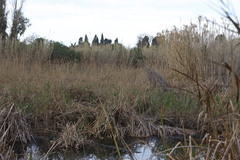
(68, 20)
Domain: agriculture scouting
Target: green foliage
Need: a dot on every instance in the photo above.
(3, 16)
(157, 101)
(19, 26)
(63, 53)
(137, 57)
(19, 22)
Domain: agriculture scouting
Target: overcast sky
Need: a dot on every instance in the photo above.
(67, 20)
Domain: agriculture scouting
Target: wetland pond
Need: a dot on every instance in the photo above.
(130, 149)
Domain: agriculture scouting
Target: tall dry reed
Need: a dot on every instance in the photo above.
(114, 84)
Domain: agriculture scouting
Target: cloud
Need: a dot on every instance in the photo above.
(66, 21)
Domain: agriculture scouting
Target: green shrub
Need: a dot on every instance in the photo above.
(137, 57)
(64, 54)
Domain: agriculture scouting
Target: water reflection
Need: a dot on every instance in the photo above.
(131, 149)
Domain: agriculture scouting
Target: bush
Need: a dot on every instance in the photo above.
(137, 58)
(64, 54)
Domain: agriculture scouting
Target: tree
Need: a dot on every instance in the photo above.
(62, 53)
(19, 22)
(143, 42)
(3, 19)
(102, 40)
(116, 41)
(80, 41)
(86, 40)
(95, 40)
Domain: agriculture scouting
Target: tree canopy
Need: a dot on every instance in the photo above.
(19, 22)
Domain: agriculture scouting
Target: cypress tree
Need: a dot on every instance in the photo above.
(86, 40)
(102, 40)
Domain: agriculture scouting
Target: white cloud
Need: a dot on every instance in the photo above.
(66, 21)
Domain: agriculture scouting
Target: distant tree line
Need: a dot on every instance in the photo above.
(95, 41)
(146, 41)
(143, 41)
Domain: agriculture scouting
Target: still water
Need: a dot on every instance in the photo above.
(134, 149)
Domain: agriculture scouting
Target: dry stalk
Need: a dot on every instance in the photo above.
(111, 129)
(71, 137)
(14, 126)
(235, 80)
(156, 79)
(53, 146)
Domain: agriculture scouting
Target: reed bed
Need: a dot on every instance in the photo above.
(180, 87)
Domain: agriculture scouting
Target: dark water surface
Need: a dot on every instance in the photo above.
(131, 149)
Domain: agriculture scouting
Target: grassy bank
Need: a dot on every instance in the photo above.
(179, 87)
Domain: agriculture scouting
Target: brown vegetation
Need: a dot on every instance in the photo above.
(178, 87)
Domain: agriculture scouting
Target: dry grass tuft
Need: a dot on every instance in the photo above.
(70, 137)
(6, 152)
(14, 130)
(14, 126)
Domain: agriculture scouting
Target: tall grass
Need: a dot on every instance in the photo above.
(117, 92)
